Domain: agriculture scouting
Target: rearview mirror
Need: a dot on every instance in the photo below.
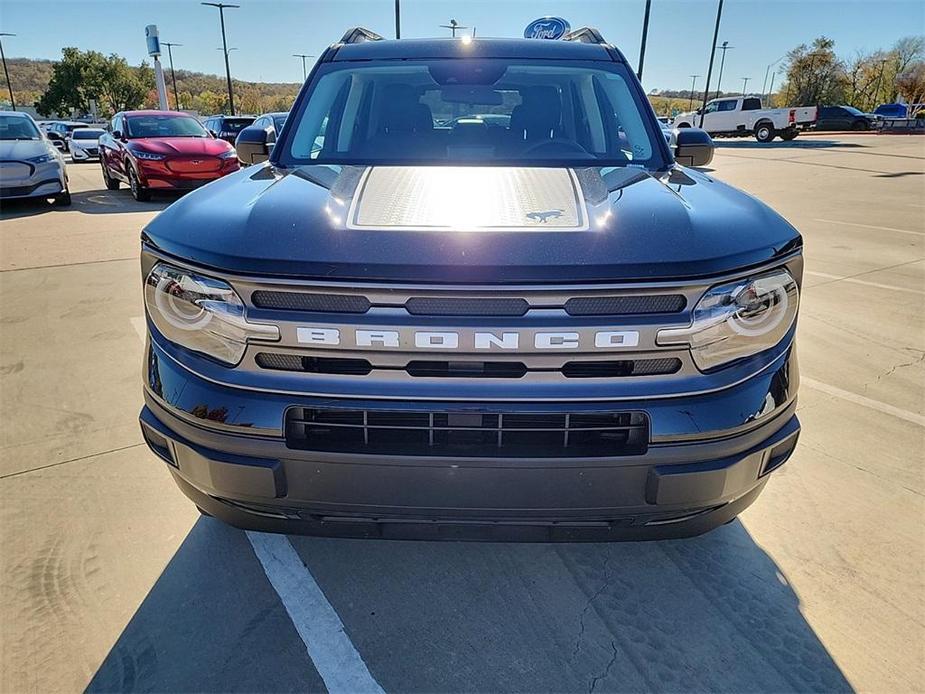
(691, 146)
(251, 145)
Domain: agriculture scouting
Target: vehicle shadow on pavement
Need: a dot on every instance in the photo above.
(808, 143)
(88, 202)
(712, 613)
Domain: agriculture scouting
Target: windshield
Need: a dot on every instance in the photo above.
(852, 110)
(472, 111)
(234, 125)
(87, 134)
(164, 126)
(18, 128)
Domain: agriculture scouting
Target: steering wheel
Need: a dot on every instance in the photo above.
(557, 143)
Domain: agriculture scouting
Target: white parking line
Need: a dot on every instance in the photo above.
(871, 226)
(863, 402)
(852, 280)
(326, 641)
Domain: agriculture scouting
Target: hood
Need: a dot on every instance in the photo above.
(182, 146)
(471, 224)
(24, 149)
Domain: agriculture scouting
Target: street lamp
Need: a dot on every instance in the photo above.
(221, 13)
(397, 19)
(725, 47)
(173, 76)
(706, 90)
(765, 83)
(745, 84)
(690, 103)
(9, 85)
(453, 26)
(303, 56)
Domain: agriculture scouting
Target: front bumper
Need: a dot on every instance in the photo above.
(158, 175)
(41, 189)
(78, 154)
(709, 457)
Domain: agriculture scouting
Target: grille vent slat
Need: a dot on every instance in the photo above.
(471, 434)
(625, 305)
(304, 301)
(438, 306)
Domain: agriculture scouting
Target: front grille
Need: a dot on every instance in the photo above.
(625, 305)
(467, 434)
(468, 368)
(631, 305)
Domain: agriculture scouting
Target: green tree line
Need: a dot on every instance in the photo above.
(70, 84)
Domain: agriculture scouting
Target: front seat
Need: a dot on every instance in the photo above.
(538, 116)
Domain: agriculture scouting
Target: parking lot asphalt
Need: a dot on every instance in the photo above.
(112, 581)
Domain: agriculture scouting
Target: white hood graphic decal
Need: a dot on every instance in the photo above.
(468, 198)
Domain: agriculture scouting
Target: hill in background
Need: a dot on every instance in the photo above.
(198, 91)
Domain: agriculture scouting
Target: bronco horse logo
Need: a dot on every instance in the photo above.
(541, 217)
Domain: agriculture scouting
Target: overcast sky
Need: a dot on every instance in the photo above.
(267, 32)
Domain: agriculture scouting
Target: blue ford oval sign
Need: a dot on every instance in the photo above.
(547, 28)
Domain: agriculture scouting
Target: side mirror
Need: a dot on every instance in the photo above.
(251, 145)
(52, 135)
(117, 134)
(213, 133)
(691, 146)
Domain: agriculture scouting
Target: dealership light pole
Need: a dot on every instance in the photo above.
(690, 104)
(9, 85)
(766, 72)
(303, 56)
(745, 84)
(645, 35)
(706, 90)
(221, 13)
(173, 75)
(725, 47)
(397, 19)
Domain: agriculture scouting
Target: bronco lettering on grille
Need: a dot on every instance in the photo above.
(452, 340)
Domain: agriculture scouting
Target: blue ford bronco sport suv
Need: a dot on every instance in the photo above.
(472, 294)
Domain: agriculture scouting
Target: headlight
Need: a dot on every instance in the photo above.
(201, 314)
(738, 319)
(230, 154)
(42, 158)
(149, 156)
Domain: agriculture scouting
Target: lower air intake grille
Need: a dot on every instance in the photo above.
(468, 434)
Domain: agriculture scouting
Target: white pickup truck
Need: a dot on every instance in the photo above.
(741, 117)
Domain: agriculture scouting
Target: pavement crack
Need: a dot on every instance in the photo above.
(603, 675)
(587, 608)
(72, 460)
(895, 367)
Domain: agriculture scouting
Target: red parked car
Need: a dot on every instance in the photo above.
(162, 150)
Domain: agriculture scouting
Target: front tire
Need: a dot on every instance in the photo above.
(860, 125)
(764, 132)
(63, 199)
(139, 192)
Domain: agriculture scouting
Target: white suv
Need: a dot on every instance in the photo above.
(85, 144)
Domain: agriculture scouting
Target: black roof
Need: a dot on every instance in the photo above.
(476, 48)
